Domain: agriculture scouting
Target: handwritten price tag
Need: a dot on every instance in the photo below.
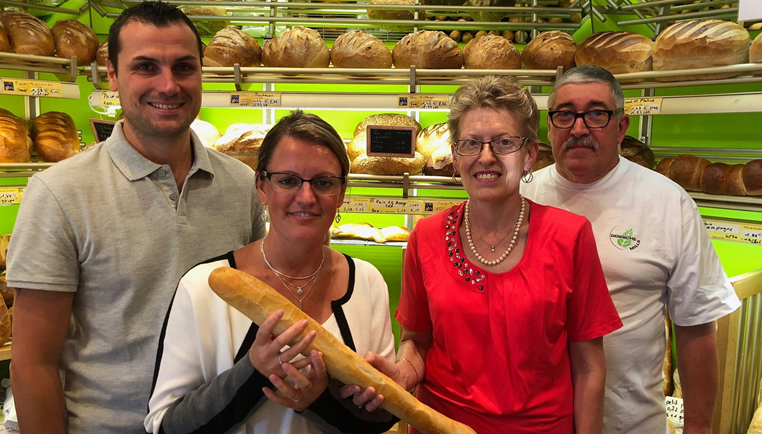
(439, 205)
(675, 411)
(396, 206)
(31, 87)
(752, 234)
(355, 205)
(9, 196)
(255, 99)
(642, 106)
(110, 99)
(423, 101)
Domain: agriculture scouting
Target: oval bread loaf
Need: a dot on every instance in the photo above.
(55, 136)
(28, 34)
(299, 47)
(5, 44)
(700, 44)
(427, 49)
(257, 301)
(432, 138)
(686, 170)
(232, 45)
(15, 144)
(360, 50)
(549, 50)
(101, 55)
(73, 38)
(618, 52)
(491, 52)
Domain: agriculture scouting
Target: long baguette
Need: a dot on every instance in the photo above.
(257, 300)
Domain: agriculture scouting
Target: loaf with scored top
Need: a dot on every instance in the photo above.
(549, 50)
(358, 49)
(55, 136)
(5, 44)
(15, 144)
(701, 44)
(299, 47)
(618, 52)
(73, 38)
(427, 49)
(230, 46)
(28, 34)
(491, 52)
(257, 301)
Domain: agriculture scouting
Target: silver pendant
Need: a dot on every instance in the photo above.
(299, 291)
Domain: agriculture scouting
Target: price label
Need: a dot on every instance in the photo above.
(110, 99)
(751, 234)
(642, 106)
(255, 99)
(431, 207)
(423, 101)
(9, 196)
(675, 411)
(719, 229)
(13, 86)
(355, 205)
(396, 206)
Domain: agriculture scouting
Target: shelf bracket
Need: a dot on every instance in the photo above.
(73, 72)
(94, 75)
(405, 184)
(237, 76)
(412, 79)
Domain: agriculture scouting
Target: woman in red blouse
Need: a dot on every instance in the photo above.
(504, 303)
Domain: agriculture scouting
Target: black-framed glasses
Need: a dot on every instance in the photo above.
(288, 182)
(499, 146)
(565, 119)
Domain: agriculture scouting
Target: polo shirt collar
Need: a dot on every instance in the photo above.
(135, 166)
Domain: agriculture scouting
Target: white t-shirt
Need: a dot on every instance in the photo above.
(654, 250)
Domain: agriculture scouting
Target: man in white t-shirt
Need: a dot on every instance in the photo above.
(655, 251)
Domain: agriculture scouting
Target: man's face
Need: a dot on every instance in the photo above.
(159, 80)
(584, 155)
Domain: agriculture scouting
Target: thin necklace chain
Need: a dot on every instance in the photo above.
(300, 291)
(496, 244)
(516, 230)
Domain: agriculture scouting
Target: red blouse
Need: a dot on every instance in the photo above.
(499, 358)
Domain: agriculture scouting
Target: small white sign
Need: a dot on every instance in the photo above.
(675, 411)
(749, 10)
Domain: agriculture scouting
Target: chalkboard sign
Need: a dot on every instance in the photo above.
(102, 129)
(390, 141)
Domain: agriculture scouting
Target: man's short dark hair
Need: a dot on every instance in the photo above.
(156, 13)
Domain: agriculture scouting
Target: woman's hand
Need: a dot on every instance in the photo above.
(368, 398)
(265, 353)
(305, 390)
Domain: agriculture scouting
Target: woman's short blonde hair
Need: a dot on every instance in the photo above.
(497, 93)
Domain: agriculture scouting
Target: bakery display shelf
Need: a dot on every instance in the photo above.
(64, 69)
(22, 170)
(5, 351)
(739, 231)
(660, 12)
(364, 243)
(46, 8)
(736, 203)
(733, 155)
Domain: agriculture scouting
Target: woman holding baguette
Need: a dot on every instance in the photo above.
(503, 303)
(216, 370)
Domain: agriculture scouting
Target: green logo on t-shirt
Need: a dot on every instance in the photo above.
(625, 240)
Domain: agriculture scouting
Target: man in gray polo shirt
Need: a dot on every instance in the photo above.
(102, 238)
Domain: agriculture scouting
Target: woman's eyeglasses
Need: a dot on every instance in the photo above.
(499, 146)
(289, 182)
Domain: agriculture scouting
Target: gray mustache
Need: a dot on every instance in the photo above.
(587, 142)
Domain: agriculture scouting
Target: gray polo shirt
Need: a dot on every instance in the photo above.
(112, 226)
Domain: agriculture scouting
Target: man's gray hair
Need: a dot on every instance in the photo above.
(589, 74)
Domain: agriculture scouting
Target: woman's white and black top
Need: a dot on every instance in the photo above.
(204, 381)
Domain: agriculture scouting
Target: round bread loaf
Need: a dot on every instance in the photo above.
(206, 132)
(358, 146)
(755, 51)
(544, 157)
(230, 46)
(15, 143)
(752, 177)
(73, 38)
(360, 50)
(618, 52)
(663, 166)
(101, 56)
(440, 163)
(55, 136)
(5, 44)
(714, 178)
(686, 170)
(549, 50)
(28, 34)
(242, 142)
(637, 152)
(491, 52)
(427, 49)
(700, 44)
(486, 15)
(298, 47)
(207, 27)
(432, 138)
(394, 14)
(388, 165)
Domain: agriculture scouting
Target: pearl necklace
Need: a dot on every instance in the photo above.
(516, 230)
(300, 291)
